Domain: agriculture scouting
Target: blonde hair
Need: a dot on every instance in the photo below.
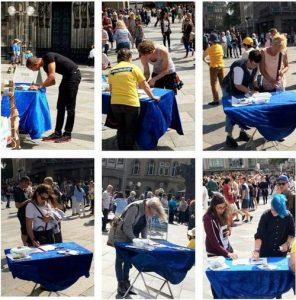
(280, 40)
(120, 25)
(155, 204)
(48, 180)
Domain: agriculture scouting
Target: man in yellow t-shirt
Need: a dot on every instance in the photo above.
(293, 257)
(213, 56)
(124, 80)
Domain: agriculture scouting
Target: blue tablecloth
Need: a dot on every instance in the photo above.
(274, 120)
(172, 264)
(54, 271)
(155, 117)
(249, 282)
(33, 111)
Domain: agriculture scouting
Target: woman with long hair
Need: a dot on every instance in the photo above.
(122, 36)
(166, 30)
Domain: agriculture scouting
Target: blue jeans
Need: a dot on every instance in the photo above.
(125, 45)
(122, 268)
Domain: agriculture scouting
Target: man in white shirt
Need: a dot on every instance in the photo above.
(106, 202)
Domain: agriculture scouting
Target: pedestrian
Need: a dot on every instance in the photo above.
(124, 80)
(182, 210)
(105, 41)
(131, 26)
(223, 44)
(234, 45)
(21, 202)
(78, 197)
(139, 32)
(248, 47)
(245, 200)
(229, 44)
(166, 30)
(92, 197)
(106, 202)
(132, 197)
(122, 36)
(172, 209)
(53, 63)
(121, 203)
(187, 36)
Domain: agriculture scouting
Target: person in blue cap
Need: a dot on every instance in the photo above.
(276, 230)
(283, 187)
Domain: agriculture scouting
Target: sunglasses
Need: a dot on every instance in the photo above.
(44, 198)
(281, 183)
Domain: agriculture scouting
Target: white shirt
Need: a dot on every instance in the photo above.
(105, 59)
(106, 200)
(33, 213)
(91, 53)
(238, 75)
(105, 37)
(205, 196)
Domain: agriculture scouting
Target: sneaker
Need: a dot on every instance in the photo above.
(52, 137)
(243, 217)
(63, 139)
(236, 220)
(251, 218)
(243, 136)
(246, 221)
(230, 142)
(214, 103)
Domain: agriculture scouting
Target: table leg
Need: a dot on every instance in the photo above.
(146, 286)
(159, 291)
(126, 293)
(251, 140)
(33, 290)
(170, 290)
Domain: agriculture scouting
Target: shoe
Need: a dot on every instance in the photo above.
(121, 290)
(52, 137)
(246, 221)
(281, 140)
(243, 217)
(251, 218)
(104, 230)
(127, 286)
(63, 139)
(236, 220)
(230, 142)
(243, 136)
(214, 103)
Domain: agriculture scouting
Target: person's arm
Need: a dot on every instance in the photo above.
(50, 80)
(259, 236)
(146, 68)
(264, 72)
(21, 204)
(285, 67)
(145, 86)
(165, 68)
(205, 56)
(29, 226)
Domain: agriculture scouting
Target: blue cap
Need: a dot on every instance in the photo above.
(283, 178)
(278, 203)
(214, 38)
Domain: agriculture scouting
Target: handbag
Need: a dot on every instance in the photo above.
(116, 233)
(191, 36)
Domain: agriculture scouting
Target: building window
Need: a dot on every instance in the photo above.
(151, 168)
(216, 163)
(174, 169)
(111, 162)
(161, 168)
(236, 163)
(167, 167)
(104, 162)
(120, 163)
(136, 167)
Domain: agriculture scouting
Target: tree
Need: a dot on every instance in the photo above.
(232, 17)
(188, 173)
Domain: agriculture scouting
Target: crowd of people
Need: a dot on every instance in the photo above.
(230, 195)
(132, 216)
(255, 70)
(41, 207)
(123, 31)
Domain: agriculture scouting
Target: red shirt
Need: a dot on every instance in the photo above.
(227, 193)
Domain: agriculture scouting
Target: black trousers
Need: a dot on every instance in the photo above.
(168, 82)
(68, 90)
(166, 37)
(127, 118)
(105, 218)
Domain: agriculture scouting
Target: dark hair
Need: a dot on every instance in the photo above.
(31, 61)
(124, 55)
(255, 56)
(217, 199)
(146, 47)
(227, 180)
(45, 189)
(25, 178)
(119, 195)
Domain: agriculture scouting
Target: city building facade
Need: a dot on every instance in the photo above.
(63, 27)
(213, 13)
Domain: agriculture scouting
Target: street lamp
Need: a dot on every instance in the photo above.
(29, 11)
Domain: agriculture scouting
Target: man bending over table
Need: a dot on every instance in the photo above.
(241, 80)
(53, 63)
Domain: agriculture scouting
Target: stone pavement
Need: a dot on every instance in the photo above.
(214, 118)
(83, 132)
(80, 230)
(242, 241)
(185, 98)
(185, 290)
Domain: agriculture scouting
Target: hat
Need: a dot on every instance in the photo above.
(191, 232)
(278, 203)
(248, 41)
(214, 38)
(283, 178)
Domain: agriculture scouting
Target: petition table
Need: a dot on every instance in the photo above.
(33, 111)
(250, 282)
(155, 117)
(170, 261)
(53, 270)
(274, 120)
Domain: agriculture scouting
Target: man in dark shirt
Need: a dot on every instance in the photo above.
(275, 231)
(21, 202)
(53, 63)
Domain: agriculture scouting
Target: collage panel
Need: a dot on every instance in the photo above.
(148, 80)
(249, 228)
(249, 83)
(47, 71)
(148, 228)
(47, 227)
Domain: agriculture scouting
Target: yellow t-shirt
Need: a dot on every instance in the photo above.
(293, 249)
(124, 79)
(191, 244)
(215, 52)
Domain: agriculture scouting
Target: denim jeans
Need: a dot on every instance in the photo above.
(122, 268)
